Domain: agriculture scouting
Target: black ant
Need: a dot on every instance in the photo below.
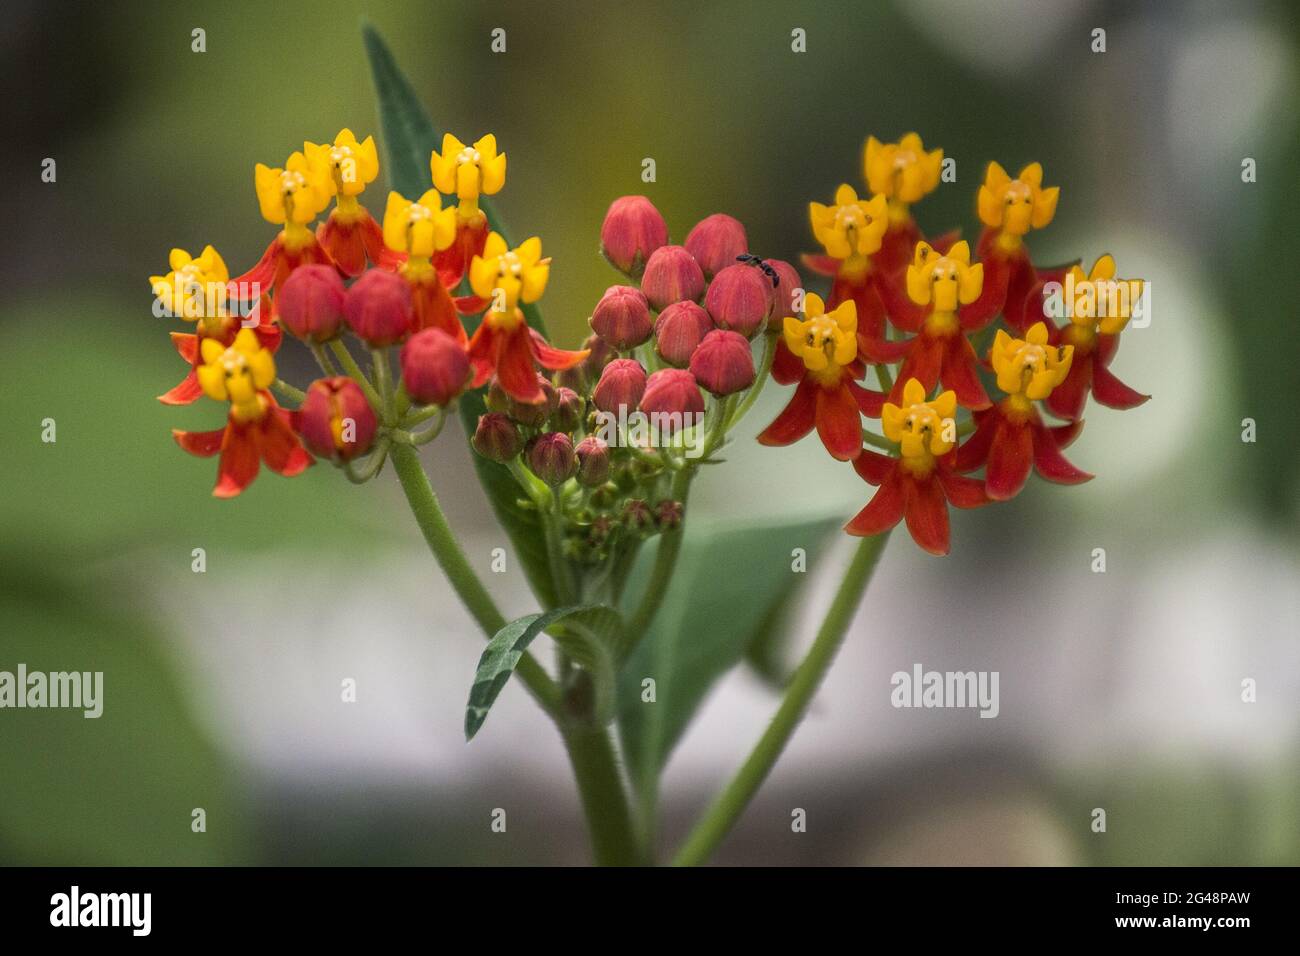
(757, 261)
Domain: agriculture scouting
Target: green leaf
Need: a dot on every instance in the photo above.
(729, 582)
(588, 634)
(409, 137)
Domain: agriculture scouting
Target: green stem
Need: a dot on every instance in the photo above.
(287, 391)
(670, 545)
(730, 804)
(604, 800)
(350, 366)
(764, 370)
(885, 377)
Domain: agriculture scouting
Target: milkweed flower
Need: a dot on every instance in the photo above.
(1098, 306)
(257, 429)
(903, 173)
(920, 484)
(350, 235)
(421, 228)
(943, 291)
(827, 396)
(632, 230)
(503, 344)
(716, 241)
(851, 231)
(292, 196)
(467, 172)
(1010, 438)
(1009, 209)
(335, 420)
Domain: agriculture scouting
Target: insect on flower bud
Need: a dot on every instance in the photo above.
(739, 298)
(632, 230)
(672, 275)
(378, 308)
(593, 462)
(570, 407)
(551, 458)
(716, 241)
(534, 414)
(668, 515)
(672, 391)
(621, 385)
(724, 363)
(496, 437)
(783, 294)
(435, 369)
(637, 515)
(336, 421)
(622, 317)
(679, 329)
(310, 303)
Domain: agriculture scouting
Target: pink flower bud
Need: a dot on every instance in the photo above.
(435, 368)
(679, 329)
(534, 414)
(716, 241)
(622, 317)
(336, 421)
(672, 391)
(496, 437)
(632, 230)
(570, 407)
(601, 355)
(668, 515)
(621, 384)
(593, 462)
(782, 295)
(378, 308)
(551, 458)
(310, 303)
(739, 298)
(672, 275)
(637, 515)
(724, 363)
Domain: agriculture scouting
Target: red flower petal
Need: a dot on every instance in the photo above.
(820, 264)
(268, 335)
(1050, 463)
(1011, 457)
(1064, 435)
(548, 356)
(884, 510)
(903, 312)
(344, 243)
(203, 444)
(945, 241)
(239, 462)
(868, 400)
(923, 363)
(187, 344)
(266, 268)
(279, 446)
(839, 422)
(787, 368)
(796, 419)
(959, 373)
(871, 311)
(873, 467)
(433, 308)
(975, 452)
(469, 304)
(187, 391)
(1021, 283)
(482, 352)
(1068, 398)
(884, 351)
(927, 515)
(993, 295)
(962, 492)
(514, 365)
(1111, 392)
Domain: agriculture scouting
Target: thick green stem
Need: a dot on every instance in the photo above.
(603, 797)
(670, 544)
(730, 804)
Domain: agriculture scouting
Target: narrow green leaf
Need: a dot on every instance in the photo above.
(730, 582)
(409, 137)
(588, 634)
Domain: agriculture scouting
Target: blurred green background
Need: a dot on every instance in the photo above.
(1120, 690)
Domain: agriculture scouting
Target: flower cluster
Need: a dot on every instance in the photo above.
(405, 283)
(930, 307)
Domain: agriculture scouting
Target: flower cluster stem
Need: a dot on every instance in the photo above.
(730, 804)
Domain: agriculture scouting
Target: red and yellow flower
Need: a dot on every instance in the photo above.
(922, 482)
(292, 196)
(1010, 438)
(827, 397)
(350, 235)
(420, 229)
(467, 172)
(1098, 306)
(851, 231)
(257, 429)
(1009, 209)
(903, 173)
(503, 344)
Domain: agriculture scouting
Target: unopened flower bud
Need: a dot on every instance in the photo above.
(310, 303)
(601, 526)
(783, 293)
(632, 230)
(435, 368)
(672, 275)
(716, 241)
(672, 391)
(535, 414)
(637, 515)
(378, 308)
(622, 317)
(593, 462)
(739, 299)
(679, 329)
(621, 384)
(569, 410)
(336, 421)
(496, 399)
(668, 515)
(551, 458)
(496, 437)
(601, 355)
(724, 363)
